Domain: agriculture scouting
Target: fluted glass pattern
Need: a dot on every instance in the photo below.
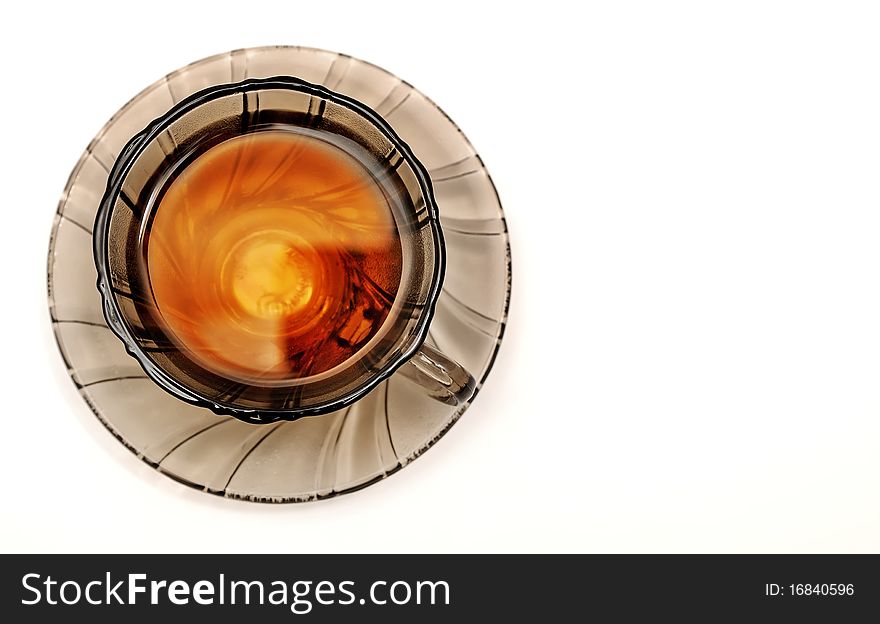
(313, 457)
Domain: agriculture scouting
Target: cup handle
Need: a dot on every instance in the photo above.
(444, 379)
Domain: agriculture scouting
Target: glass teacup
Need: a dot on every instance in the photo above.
(158, 334)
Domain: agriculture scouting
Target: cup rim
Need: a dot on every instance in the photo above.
(110, 306)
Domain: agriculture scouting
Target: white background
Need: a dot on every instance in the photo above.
(693, 355)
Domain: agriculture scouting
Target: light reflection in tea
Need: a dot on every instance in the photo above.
(273, 256)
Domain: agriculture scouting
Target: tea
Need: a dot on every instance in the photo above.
(273, 256)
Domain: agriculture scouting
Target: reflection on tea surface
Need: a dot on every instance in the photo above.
(273, 256)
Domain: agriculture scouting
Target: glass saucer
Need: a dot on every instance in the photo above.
(314, 457)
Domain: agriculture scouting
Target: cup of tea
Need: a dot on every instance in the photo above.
(270, 250)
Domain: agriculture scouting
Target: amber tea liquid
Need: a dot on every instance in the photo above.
(273, 256)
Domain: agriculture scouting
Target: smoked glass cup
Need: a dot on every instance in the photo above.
(223, 112)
